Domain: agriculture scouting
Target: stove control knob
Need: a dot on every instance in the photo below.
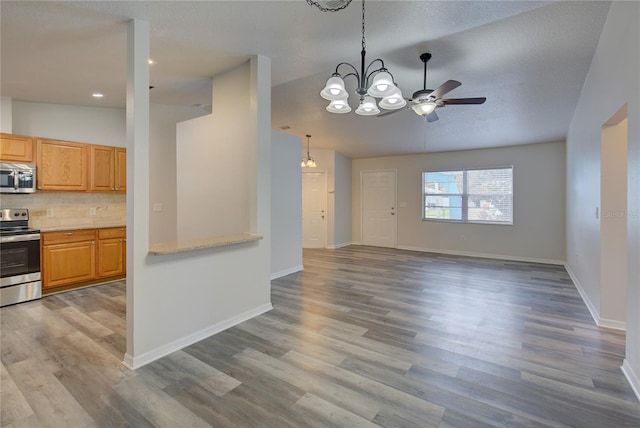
(16, 214)
(23, 214)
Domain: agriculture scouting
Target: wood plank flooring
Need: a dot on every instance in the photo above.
(363, 337)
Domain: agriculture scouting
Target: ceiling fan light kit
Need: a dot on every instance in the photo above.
(424, 108)
(382, 86)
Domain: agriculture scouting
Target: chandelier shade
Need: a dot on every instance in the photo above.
(382, 85)
(368, 107)
(394, 101)
(339, 106)
(334, 89)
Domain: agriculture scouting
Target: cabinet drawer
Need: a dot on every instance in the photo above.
(112, 232)
(49, 238)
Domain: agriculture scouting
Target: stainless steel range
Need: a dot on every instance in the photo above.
(19, 258)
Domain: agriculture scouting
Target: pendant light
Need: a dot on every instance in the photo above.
(308, 162)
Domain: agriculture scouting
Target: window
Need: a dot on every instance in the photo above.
(469, 196)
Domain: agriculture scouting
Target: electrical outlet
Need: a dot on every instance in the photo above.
(92, 211)
(157, 208)
(49, 212)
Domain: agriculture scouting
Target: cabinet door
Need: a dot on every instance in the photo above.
(102, 169)
(121, 170)
(16, 148)
(61, 165)
(64, 264)
(110, 257)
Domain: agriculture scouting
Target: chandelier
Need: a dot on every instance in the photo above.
(382, 85)
(308, 162)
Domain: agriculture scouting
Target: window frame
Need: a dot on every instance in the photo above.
(464, 196)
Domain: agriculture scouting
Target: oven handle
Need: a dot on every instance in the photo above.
(20, 238)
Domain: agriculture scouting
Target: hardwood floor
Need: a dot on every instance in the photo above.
(363, 337)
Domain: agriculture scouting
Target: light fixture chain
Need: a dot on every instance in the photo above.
(326, 9)
(364, 44)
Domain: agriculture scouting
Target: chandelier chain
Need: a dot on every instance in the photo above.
(364, 43)
(326, 9)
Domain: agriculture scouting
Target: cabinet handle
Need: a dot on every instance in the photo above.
(116, 188)
(113, 188)
(69, 233)
(93, 243)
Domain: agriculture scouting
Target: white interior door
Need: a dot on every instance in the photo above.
(379, 208)
(314, 217)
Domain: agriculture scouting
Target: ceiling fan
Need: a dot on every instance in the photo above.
(425, 101)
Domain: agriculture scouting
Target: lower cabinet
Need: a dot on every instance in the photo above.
(112, 244)
(76, 258)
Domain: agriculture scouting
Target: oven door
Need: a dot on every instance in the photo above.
(19, 259)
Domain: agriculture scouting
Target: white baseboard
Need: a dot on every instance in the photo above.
(135, 362)
(335, 247)
(595, 313)
(632, 377)
(356, 243)
(286, 272)
(612, 324)
(483, 255)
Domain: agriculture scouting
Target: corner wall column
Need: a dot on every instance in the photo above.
(138, 41)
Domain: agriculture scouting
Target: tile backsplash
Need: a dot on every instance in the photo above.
(56, 210)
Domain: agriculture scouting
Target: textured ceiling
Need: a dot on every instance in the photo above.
(529, 59)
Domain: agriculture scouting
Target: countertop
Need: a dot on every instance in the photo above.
(198, 244)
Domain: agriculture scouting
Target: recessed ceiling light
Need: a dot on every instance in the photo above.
(150, 61)
(97, 95)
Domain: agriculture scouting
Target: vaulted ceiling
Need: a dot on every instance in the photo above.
(529, 58)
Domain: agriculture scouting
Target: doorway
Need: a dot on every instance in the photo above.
(379, 208)
(314, 207)
(613, 221)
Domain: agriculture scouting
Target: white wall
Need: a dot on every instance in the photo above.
(6, 120)
(212, 170)
(94, 125)
(338, 170)
(342, 200)
(175, 300)
(613, 224)
(286, 205)
(611, 82)
(162, 168)
(538, 231)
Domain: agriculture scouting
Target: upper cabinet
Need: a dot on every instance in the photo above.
(16, 148)
(69, 166)
(62, 165)
(121, 170)
(108, 169)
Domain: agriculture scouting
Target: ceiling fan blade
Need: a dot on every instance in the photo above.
(432, 117)
(447, 86)
(450, 101)
(390, 112)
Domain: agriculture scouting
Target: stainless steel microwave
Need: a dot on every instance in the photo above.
(17, 177)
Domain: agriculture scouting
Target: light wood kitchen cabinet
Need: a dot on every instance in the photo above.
(16, 148)
(61, 165)
(75, 258)
(108, 169)
(112, 245)
(121, 170)
(68, 257)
